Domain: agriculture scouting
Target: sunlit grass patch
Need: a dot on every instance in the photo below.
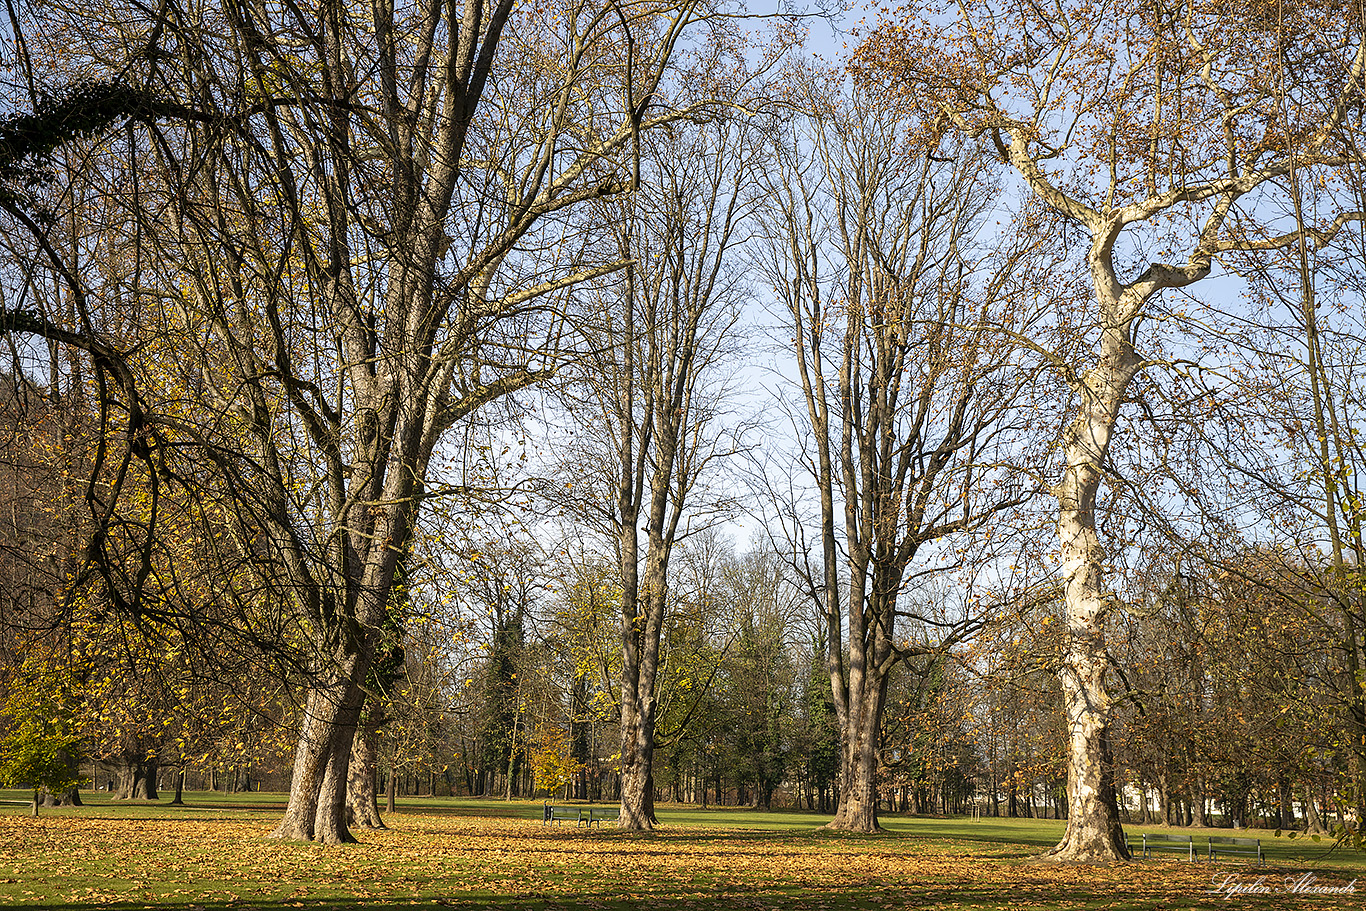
(155, 856)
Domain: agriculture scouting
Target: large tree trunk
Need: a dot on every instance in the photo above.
(137, 778)
(330, 826)
(857, 807)
(642, 620)
(317, 794)
(362, 801)
(71, 797)
(1093, 826)
(857, 794)
(1093, 829)
(637, 760)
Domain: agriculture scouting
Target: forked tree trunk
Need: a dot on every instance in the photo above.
(317, 794)
(858, 796)
(137, 778)
(362, 802)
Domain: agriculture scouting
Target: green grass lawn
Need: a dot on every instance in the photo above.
(461, 853)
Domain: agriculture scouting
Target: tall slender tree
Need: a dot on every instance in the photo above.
(911, 396)
(653, 396)
(1153, 129)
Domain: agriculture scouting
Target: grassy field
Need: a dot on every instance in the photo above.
(213, 854)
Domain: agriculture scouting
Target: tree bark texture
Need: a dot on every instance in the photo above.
(642, 620)
(137, 778)
(317, 795)
(858, 795)
(1093, 830)
(362, 801)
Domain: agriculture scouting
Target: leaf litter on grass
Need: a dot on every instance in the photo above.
(466, 861)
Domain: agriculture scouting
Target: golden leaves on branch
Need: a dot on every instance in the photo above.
(1134, 97)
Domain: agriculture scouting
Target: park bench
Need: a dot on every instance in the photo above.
(1242, 847)
(1177, 844)
(581, 816)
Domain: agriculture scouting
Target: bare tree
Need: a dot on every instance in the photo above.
(1283, 447)
(912, 399)
(650, 417)
(1145, 126)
